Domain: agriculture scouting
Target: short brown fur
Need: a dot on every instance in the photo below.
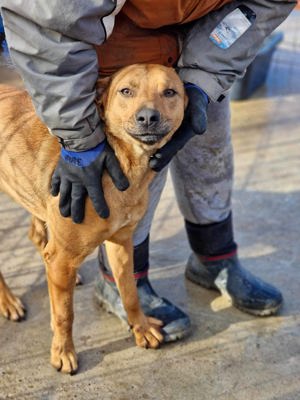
(27, 161)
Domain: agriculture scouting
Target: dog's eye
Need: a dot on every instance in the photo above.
(169, 93)
(126, 92)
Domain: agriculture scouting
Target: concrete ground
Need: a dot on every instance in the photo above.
(229, 355)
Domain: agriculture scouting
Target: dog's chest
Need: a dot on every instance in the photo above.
(133, 213)
(127, 208)
(131, 207)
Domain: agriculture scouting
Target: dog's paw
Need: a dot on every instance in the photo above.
(147, 334)
(11, 306)
(64, 358)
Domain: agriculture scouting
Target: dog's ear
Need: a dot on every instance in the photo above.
(101, 86)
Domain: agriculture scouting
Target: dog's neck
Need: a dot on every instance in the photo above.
(133, 157)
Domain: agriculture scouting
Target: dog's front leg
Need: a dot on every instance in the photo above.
(120, 255)
(61, 276)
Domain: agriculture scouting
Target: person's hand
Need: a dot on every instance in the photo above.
(194, 123)
(79, 174)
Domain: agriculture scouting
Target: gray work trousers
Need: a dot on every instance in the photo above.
(202, 174)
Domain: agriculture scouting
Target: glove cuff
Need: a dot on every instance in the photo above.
(82, 158)
(189, 85)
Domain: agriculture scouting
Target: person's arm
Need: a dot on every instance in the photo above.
(51, 44)
(212, 60)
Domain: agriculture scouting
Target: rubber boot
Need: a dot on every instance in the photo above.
(214, 264)
(176, 323)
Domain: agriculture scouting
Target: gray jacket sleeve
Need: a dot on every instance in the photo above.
(215, 69)
(51, 44)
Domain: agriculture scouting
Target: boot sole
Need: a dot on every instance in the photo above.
(176, 336)
(259, 313)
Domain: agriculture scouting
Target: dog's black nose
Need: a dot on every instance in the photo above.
(147, 117)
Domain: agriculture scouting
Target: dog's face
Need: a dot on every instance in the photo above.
(144, 103)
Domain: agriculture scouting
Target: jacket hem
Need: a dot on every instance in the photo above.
(206, 81)
(82, 144)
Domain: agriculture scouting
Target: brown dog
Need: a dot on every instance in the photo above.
(27, 161)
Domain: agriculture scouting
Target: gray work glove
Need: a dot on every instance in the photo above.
(79, 174)
(194, 123)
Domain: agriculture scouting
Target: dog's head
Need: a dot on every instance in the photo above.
(143, 104)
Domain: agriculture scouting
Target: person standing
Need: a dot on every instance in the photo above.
(61, 47)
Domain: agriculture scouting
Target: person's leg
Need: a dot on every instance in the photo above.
(176, 322)
(203, 175)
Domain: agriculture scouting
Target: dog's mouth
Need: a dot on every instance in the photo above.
(149, 136)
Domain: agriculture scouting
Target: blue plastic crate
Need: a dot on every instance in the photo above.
(1, 25)
(257, 71)
(2, 35)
